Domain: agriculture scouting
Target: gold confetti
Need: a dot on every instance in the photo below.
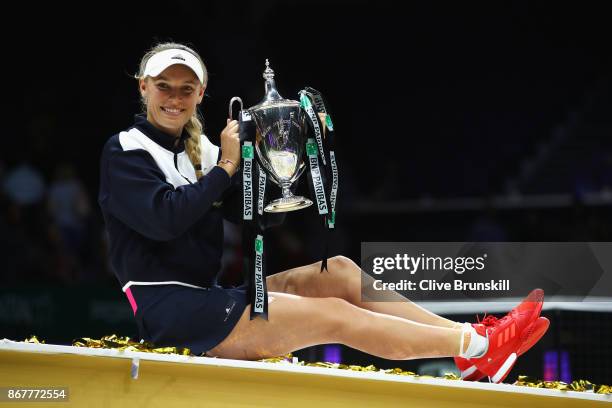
(577, 385)
(125, 343)
(602, 389)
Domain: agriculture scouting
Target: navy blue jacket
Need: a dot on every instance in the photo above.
(164, 225)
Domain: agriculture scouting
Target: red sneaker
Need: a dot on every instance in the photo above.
(536, 330)
(507, 337)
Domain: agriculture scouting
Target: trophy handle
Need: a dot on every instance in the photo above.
(231, 104)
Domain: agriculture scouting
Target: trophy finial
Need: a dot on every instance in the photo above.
(271, 92)
(269, 72)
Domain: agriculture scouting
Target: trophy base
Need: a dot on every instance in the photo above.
(292, 203)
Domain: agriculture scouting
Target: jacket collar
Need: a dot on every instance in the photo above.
(163, 139)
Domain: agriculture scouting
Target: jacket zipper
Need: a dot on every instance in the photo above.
(177, 169)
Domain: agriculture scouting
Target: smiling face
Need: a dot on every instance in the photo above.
(172, 98)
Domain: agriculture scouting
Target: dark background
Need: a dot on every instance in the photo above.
(455, 122)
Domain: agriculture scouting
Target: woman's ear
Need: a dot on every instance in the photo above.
(142, 87)
(201, 94)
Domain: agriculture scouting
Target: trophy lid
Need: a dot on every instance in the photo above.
(272, 97)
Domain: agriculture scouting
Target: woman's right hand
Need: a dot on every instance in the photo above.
(230, 147)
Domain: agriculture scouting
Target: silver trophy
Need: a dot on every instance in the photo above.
(280, 140)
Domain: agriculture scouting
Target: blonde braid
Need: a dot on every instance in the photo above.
(192, 144)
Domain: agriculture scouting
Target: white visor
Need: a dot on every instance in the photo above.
(163, 59)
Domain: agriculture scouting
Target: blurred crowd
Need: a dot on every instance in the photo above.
(50, 230)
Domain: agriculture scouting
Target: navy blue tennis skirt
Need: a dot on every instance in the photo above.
(199, 319)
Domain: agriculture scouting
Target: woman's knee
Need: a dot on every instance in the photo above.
(343, 268)
(343, 264)
(348, 277)
(338, 317)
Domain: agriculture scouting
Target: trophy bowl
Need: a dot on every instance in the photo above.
(280, 141)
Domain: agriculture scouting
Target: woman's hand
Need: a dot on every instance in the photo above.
(230, 147)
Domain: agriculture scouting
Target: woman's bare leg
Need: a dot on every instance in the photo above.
(343, 279)
(296, 322)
